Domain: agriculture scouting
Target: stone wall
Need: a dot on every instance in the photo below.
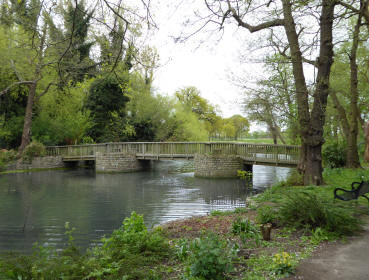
(119, 162)
(38, 163)
(217, 166)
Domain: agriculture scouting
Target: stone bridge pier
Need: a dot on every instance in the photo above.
(217, 165)
(119, 162)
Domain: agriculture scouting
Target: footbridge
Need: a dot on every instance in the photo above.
(212, 159)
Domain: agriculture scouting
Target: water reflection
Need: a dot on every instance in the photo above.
(35, 206)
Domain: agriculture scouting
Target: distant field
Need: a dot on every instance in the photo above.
(260, 140)
(251, 140)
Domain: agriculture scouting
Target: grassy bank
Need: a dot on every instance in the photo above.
(32, 170)
(222, 245)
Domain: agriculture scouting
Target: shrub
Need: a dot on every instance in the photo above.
(6, 156)
(308, 210)
(34, 149)
(208, 257)
(87, 140)
(130, 250)
(334, 154)
(266, 214)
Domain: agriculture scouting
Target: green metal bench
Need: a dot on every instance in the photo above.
(354, 193)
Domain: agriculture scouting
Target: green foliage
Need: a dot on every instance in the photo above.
(6, 157)
(266, 214)
(283, 264)
(207, 257)
(307, 210)
(241, 210)
(318, 235)
(294, 179)
(246, 230)
(243, 226)
(106, 100)
(46, 263)
(129, 250)
(334, 154)
(244, 175)
(87, 140)
(34, 149)
(61, 120)
(127, 254)
(219, 213)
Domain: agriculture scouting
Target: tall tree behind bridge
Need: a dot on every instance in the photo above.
(287, 24)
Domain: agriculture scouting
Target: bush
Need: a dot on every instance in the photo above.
(87, 140)
(266, 214)
(308, 210)
(6, 156)
(208, 257)
(334, 154)
(34, 149)
(130, 250)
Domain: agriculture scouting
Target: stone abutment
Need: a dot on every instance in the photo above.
(217, 165)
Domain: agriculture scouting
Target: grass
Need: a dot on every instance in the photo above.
(33, 170)
(222, 245)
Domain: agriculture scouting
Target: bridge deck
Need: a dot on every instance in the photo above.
(264, 154)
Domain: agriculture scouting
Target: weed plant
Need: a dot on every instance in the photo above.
(246, 230)
(208, 257)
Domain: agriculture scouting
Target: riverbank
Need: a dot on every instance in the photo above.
(221, 245)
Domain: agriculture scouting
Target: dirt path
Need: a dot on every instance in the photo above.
(339, 261)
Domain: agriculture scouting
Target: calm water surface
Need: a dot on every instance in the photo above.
(34, 207)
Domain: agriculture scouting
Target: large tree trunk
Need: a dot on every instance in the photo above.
(26, 135)
(311, 125)
(315, 140)
(300, 83)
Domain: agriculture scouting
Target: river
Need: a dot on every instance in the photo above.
(34, 207)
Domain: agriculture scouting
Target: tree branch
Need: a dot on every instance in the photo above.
(253, 28)
(44, 92)
(15, 84)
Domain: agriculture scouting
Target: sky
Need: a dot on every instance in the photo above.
(207, 66)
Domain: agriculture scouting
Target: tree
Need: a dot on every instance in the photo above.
(240, 124)
(29, 60)
(272, 100)
(190, 97)
(350, 117)
(256, 16)
(42, 56)
(106, 100)
(74, 54)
